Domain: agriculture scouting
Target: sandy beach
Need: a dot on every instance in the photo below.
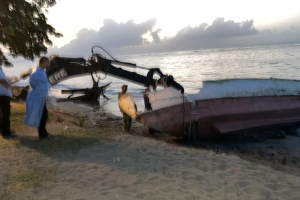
(93, 159)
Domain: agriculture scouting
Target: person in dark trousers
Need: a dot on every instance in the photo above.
(146, 100)
(126, 118)
(5, 95)
(36, 110)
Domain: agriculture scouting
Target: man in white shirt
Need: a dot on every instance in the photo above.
(5, 95)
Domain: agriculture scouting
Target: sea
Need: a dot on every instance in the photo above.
(191, 68)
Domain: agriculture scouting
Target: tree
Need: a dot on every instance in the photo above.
(24, 30)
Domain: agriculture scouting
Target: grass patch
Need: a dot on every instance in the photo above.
(5, 144)
(28, 183)
(18, 113)
(23, 184)
(69, 140)
(81, 121)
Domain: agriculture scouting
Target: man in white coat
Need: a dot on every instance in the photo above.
(5, 95)
(36, 111)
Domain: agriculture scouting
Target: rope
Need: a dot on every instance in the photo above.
(99, 78)
(189, 117)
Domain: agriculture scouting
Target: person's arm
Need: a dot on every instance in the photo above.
(5, 83)
(12, 79)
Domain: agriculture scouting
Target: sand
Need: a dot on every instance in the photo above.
(109, 164)
(133, 167)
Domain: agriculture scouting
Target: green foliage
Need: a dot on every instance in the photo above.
(81, 121)
(24, 30)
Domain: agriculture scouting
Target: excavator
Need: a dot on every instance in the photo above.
(63, 68)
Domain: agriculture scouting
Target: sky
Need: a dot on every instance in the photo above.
(135, 26)
(69, 16)
(132, 26)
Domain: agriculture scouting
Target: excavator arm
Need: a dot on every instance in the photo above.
(62, 68)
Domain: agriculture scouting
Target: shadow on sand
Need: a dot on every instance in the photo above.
(281, 154)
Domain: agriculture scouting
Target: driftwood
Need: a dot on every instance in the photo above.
(23, 94)
(92, 94)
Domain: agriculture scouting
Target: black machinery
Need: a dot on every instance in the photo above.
(62, 68)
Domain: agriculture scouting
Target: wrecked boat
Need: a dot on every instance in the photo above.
(221, 107)
(225, 107)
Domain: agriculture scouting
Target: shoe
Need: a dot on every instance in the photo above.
(11, 135)
(41, 137)
(44, 135)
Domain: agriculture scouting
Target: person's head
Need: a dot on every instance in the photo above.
(147, 90)
(44, 62)
(124, 88)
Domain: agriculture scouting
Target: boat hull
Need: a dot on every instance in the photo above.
(211, 117)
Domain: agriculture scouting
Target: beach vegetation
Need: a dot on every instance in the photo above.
(24, 28)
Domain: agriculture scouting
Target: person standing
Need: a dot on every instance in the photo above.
(36, 110)
(126, 118)
(146, 100)
(5, 95)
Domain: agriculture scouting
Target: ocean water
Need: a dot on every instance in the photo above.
(190, 68)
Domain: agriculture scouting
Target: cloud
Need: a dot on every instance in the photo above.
(294, 28)
(111, 35)
(221, 28)
(77, 47)
(117, 35)
(155, 36)
(127, 38)
(218, 29)
(218, 34)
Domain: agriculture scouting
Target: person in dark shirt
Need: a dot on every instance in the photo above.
(146, 100)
